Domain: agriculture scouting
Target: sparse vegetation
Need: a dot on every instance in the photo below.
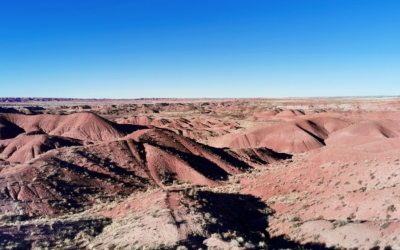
(113, 178)
(340, 223)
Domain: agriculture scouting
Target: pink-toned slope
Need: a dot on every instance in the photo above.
(135, 120)
(27, 147)
(295, 136)
(362, 133)
(289, 113)
(83, 126)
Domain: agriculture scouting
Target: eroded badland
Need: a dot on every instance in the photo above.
(191, 174)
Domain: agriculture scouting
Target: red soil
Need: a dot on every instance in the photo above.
(83, 126)
(289, 113)
(295, 136)
(135, 120)
(27, 147)
(81, 181)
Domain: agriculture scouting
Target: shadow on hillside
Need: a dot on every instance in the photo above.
(280, 242)
(230, 216)
(129, 128)
(233, 216)
(244, 214)
(276, 155)
(30, 236)
(314, 136)
(8, 129)
(202, 165)
(112, 167)
(230, 159)
(253, 156)
(9, 110)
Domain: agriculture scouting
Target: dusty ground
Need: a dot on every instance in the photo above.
(191, 174)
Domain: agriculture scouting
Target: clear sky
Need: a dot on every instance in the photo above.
(199, 48)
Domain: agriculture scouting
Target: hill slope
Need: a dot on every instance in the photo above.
(82, 126)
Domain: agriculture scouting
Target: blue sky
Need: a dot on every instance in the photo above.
(199, 48)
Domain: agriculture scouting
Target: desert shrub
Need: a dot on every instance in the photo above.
(340, 223)
(293, 219)
(362, 189)
(391, 208)
(167, 177)
(385, 225)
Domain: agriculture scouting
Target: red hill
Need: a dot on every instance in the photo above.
(83, 126)
(294, 136)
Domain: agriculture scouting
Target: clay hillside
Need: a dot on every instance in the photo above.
(200, 174)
